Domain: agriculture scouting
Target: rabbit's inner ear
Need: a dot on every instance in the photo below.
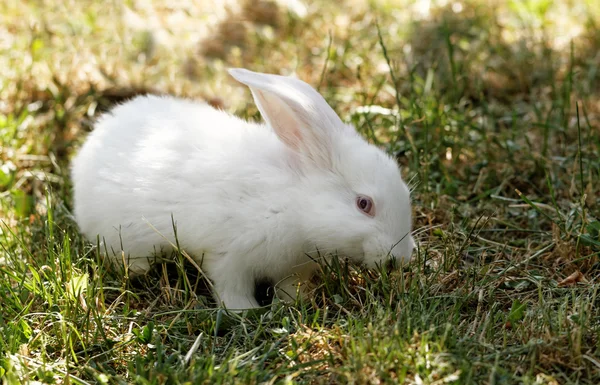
(280, 117)
(297, 126)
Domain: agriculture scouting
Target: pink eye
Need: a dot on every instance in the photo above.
(365, 204)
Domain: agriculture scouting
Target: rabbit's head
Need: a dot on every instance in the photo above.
(352, 199)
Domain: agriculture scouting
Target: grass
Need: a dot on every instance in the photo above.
(493, 110)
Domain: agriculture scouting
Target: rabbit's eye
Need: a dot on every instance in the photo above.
(365, 204)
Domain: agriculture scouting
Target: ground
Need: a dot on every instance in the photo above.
(491, 108)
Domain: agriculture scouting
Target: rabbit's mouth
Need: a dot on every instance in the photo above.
(357, 260)
(391, 264)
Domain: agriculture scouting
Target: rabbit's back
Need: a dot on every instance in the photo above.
(148, 135)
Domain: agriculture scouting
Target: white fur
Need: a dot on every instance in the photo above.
(249, 200)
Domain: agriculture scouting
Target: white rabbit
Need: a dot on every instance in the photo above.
(249, 200)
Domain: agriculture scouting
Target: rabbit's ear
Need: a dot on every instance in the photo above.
(298, 114)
